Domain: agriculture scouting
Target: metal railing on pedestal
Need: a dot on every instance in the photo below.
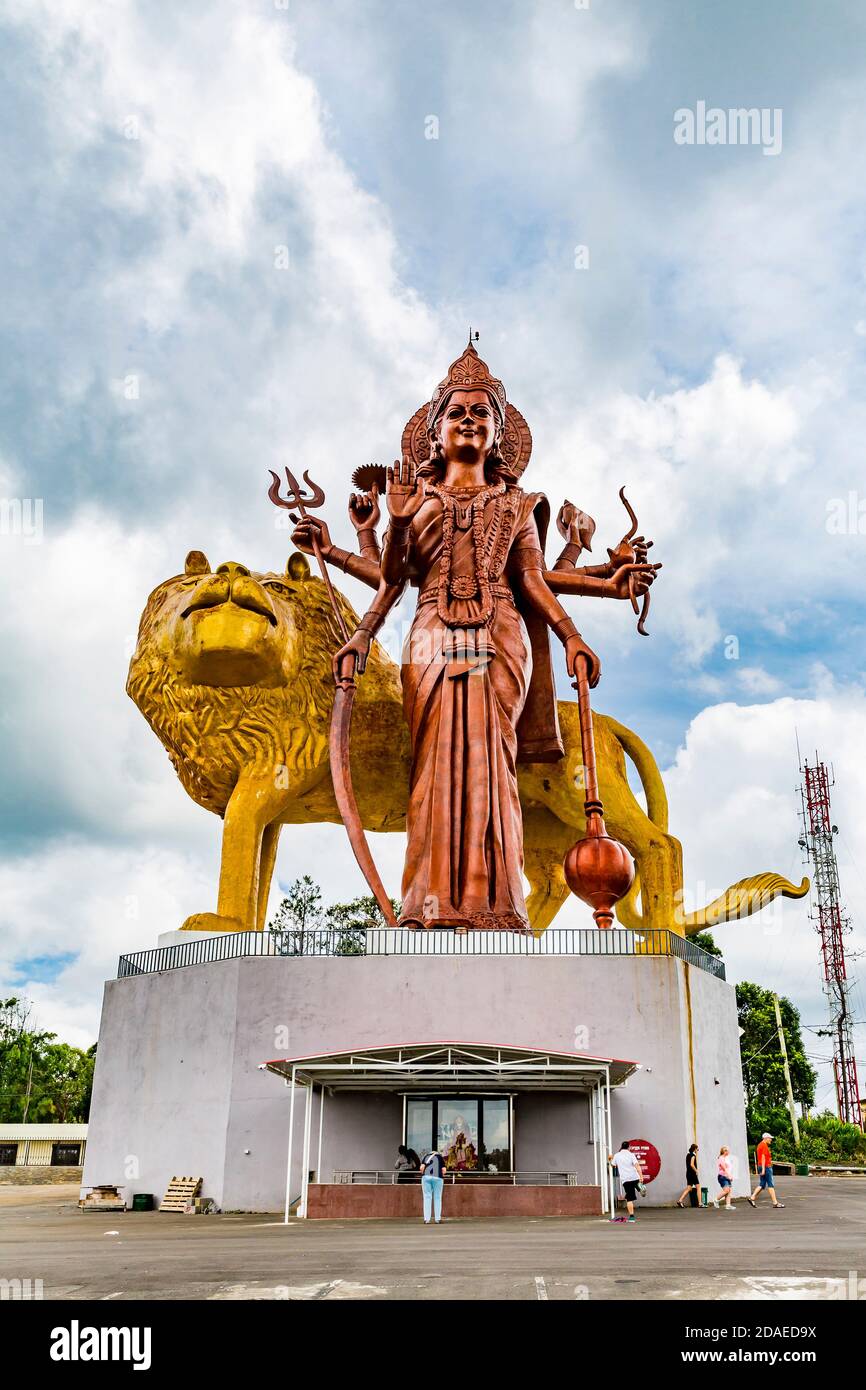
(356, 943)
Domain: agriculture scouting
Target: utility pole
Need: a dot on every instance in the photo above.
(29, 1083)
(792, 1111)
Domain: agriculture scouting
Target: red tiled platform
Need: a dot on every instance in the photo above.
(337, 1201)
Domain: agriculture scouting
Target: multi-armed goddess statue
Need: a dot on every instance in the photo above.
(478, 689)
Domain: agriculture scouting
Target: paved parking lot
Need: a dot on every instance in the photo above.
(806, 1251)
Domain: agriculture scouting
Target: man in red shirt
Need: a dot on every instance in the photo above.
(764, 1166)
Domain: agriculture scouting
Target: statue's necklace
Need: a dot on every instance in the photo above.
(465, 512)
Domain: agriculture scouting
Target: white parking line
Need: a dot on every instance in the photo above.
(541, 1288)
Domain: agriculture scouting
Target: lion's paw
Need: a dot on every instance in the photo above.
(211, 921)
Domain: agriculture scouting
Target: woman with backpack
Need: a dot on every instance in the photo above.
(432, 1182)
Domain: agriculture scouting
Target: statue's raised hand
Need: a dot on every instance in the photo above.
(404, 491)
(364, 511)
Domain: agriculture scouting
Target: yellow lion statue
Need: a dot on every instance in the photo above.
(232, 671)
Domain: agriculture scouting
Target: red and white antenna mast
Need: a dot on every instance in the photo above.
(832, 926)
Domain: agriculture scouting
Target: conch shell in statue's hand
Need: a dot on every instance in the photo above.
(575, 526)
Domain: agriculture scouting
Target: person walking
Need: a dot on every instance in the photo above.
(628, 1168)
(693, 1186)
(432, 1182)
(764, 1167)
(726, 1178)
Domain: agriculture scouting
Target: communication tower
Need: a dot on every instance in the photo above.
(832, 926)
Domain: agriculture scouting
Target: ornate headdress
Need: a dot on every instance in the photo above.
(468, 373)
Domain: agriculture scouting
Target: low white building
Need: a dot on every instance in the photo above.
(42, 1146)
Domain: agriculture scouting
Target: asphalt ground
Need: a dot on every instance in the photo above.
(810, 1250)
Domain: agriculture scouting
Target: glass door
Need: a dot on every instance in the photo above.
(496, 1146)
(419, 1125)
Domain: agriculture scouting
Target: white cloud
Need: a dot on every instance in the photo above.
(757, 681)
(733, 802)
(95, 903)
(699, 463)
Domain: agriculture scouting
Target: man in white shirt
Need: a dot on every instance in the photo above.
(627, 1166)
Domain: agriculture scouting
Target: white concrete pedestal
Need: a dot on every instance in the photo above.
(178, 1089)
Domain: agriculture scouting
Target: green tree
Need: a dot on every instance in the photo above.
(763, 1072)
(351, 921)
(41, 1079)
(20, 1046)
(304, 927)
(298, 915)
(65, 1081)
(704, 939)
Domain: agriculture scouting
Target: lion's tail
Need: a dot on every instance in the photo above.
(651, 778)
(742, 899)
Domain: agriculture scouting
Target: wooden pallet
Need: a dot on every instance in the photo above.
(180, 1193)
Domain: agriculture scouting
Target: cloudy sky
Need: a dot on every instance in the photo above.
(230, 242)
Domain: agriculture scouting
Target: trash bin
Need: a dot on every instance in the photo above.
(142, 1201)
(705, 1193)
(802, 1170)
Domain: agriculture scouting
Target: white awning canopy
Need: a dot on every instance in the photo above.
(451, 1066)
(444, 1066)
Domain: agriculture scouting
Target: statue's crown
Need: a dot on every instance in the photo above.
(468, 373)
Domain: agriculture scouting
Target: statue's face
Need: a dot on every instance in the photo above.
(468, 427)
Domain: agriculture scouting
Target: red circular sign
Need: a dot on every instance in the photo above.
(648, 1156)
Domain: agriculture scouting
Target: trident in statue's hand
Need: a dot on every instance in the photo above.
(296, 501)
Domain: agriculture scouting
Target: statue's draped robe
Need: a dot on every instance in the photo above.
(464, 691)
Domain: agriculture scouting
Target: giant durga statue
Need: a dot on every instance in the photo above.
(476, 673)
(249, 679)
